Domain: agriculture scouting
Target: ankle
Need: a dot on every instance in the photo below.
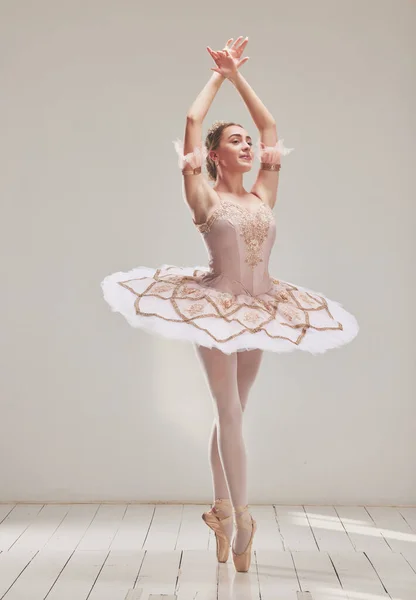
(242, 517)
(224, 501)
(222, 506)
(240, 510)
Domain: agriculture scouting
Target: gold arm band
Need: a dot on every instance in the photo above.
(192, 171)
(270, 166)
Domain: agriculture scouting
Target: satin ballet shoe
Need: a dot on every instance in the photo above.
(242, 560)
(215, 518)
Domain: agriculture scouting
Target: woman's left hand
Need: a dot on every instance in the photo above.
(236, 50)
(228, 61)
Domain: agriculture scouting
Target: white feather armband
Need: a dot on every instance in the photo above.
(193, 159)
(271, 154)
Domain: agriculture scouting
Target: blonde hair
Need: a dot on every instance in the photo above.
(212, 141)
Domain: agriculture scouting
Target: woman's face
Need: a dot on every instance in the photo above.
(235, 150)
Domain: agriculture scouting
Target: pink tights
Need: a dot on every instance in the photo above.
(229, 378)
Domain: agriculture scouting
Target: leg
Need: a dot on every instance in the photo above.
(221, 374)
(248, 363)
(216, 366)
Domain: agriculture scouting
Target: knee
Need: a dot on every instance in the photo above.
(243, 401)
(229, 415)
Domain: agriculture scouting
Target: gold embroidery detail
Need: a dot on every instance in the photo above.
(163, 287)
(254, 226)
(211, 296)
(269, 305)
(226, 300)
(283, 296)
(251, 317)
(173, 278)
(187, 290)
(290, 312)
(198, 307)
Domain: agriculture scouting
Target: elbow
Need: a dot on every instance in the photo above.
(191, 118)
(269, 124)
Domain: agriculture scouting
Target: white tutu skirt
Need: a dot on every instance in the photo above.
(173, 302)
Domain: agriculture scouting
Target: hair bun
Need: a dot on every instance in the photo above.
(215, 126)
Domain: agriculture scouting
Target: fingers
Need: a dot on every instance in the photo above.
(238, 46)
(217, 55)
(213, 53)
(235, 43)
(240, 37)
(243, 44)
(242, 61)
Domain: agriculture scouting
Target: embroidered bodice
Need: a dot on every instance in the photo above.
(239, 242)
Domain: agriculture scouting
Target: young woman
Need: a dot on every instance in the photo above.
(233, 309)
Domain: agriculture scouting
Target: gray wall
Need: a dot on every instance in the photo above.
(93, 93)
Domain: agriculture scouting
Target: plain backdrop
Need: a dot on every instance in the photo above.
(93, 94)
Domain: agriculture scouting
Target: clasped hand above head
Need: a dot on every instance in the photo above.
(228, 60)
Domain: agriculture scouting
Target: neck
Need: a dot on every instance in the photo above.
(231, 183)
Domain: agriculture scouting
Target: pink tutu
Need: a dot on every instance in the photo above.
(173, 302)
(233, 304)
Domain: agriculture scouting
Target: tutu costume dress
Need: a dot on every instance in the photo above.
(232, 304)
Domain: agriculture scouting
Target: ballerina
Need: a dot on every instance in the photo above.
(233, 309)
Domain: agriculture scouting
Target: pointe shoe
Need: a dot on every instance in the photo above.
(242, 561)
(214, 519)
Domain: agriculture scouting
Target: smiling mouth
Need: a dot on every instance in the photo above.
(246, 157)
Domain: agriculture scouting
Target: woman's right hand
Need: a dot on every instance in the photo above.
(236, 50)
(228, 61)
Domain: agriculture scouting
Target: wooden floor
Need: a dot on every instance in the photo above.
(131, 551)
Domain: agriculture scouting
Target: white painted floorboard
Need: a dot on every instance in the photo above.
(155, 552)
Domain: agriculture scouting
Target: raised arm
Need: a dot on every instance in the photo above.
(199, 108)
(267, 180)
(268, 176)
(262, 118)
(196, 189)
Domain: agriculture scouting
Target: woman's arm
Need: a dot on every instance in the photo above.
(267, 182)
(203, 101)
(197, 113)
(262, 118)
(197, 190)
(228, 64)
